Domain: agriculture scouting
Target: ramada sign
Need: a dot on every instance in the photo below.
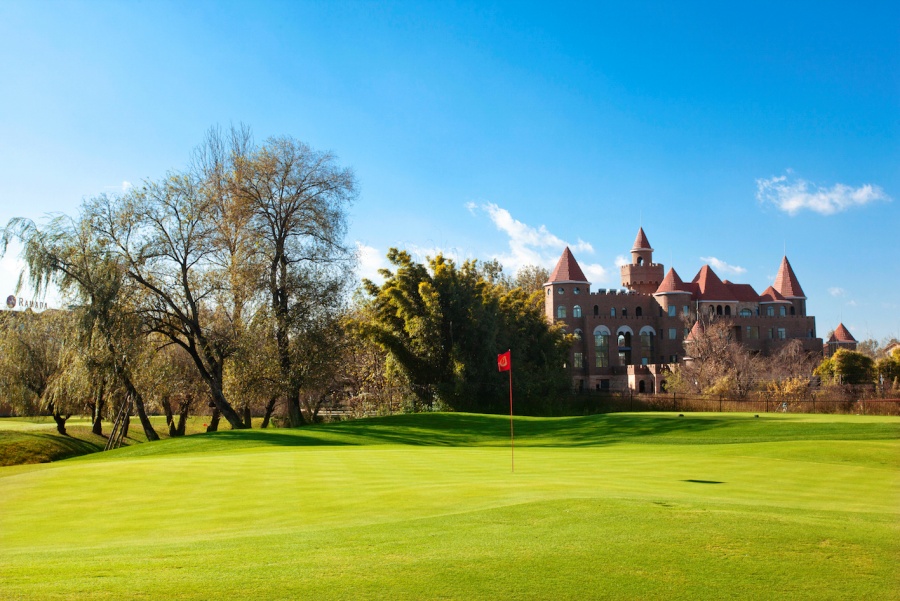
(12, 302)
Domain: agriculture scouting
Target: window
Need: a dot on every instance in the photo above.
(771, 333)
(560, 312)
(673, 333)
(793, 312)
(646, 347)
(601, 349)
(576, 311)
(596, 311)
(638, 312)
(612, 311)
(782, 311)
(673, 358)
(560, 290)
(782, 334)
(727, 309)
(624, 311)
(770, 311)
(686, 332)
(752, 332)
(746, 313)
(672, 310)
(578, 334)
(685, 310)
(578, 361)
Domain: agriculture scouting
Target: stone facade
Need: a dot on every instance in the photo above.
(628, 338)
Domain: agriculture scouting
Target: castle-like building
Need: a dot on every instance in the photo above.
(628, 339)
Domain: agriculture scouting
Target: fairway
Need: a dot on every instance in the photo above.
(618, 506)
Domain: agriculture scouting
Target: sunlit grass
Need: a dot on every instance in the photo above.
(621, 506)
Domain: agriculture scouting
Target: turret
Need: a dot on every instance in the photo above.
(642, 274)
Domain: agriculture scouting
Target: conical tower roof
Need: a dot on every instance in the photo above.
(567, 269)
(841, 334)
(672, 283)
(710, 287)
(641, 242)
(786, 281)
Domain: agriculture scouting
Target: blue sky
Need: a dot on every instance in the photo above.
(508, 130)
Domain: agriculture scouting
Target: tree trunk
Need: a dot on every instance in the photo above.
(295, 415)
(270, 407)
(126, 425)
(182, 418)
(173, 431)
(214, 421)
(248, 418)
(60, 422)
(98, 412)
(167, 409)
(145, 421)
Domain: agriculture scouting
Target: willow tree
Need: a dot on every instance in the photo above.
(33, 349)
(68, 253)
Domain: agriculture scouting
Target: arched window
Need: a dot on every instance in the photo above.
(576, 311)
(612, 311)
(578, 334)
(623, 338)
(601, 346)
(662, 386)
(792, 310)
(596, 311)
(712, 310)
(782, 311)
(560, 312)
(746, 313)
(642, 387)
(638, 312)
(718, 309)
(647, 339)
(624, 311)
(727, 309)
(770, 311)
(640, 261)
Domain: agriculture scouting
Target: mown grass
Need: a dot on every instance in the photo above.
(625, 506)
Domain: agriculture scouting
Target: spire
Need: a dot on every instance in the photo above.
(641, 242)
(786, 282)
(567, 269)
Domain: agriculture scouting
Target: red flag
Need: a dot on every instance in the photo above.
(504, 363)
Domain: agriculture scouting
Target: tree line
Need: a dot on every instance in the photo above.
(229, 283)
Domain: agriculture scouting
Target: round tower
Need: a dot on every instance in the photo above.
(642, 275)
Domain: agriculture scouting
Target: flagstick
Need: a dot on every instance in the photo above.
(512, 457)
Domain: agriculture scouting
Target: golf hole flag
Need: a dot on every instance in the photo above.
(503, 361)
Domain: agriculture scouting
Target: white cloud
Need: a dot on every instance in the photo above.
(370, 261)
(837, 291)
(126, 185)
(621, 260)
(792, 194)
(530, 245)
(723, 267)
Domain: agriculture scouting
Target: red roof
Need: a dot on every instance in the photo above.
(672, 284)
(567, 269)
(695, 332)
(786, 282)
(770, 295)
(641, 241)
(710, 287)
(744, 293)
(841, 334)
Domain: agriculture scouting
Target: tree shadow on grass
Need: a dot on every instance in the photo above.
(469, 430)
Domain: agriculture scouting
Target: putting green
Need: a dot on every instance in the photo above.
(619, 506)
